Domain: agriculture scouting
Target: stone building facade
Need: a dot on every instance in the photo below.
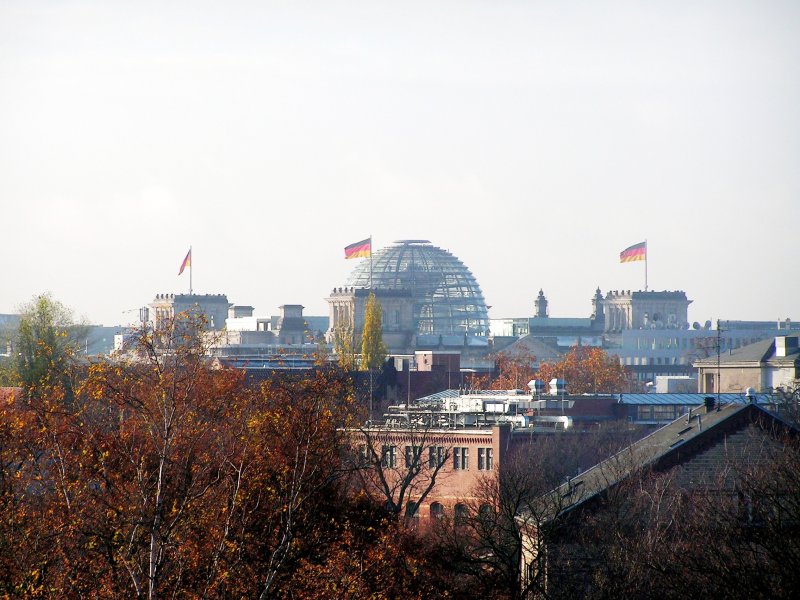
(642, 310)
(213, 307)
(346, 306)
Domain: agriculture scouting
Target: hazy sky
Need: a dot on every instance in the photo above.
(534, 140)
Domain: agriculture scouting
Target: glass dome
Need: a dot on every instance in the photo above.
(447, 299)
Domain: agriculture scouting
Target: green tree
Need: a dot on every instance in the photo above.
(8, 372)
(373, 350)
(46, 344)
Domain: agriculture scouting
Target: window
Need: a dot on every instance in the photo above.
(485, 459)
(437, 510)
(644, 413)
(389, 457)
(664, 413)
(413, 454)
(461, 459)
(461, 514)
(362, 454)
(436, 456)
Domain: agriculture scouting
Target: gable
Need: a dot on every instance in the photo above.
(717, 465)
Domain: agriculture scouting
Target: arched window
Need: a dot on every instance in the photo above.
(485, 511)
(461, 513)
(437, 510)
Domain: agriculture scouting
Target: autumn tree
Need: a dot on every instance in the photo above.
(588, 370)
(514, 370)
(344, 348)
(166, 477)
(373, 350)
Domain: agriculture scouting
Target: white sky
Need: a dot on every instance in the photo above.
(534, 140)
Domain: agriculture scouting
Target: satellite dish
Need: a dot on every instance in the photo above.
(695, 325)
(707, 325)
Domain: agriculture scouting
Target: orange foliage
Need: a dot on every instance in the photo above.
(163, 476)
(514, 371)
(588, 370)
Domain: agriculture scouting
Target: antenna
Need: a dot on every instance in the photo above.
(719, 351)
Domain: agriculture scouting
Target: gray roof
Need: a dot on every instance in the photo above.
(559, 322)
(543, 351)
(669, 442)
(762, 351)
(684, 399)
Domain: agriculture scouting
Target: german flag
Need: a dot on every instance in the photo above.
(633, 253)
(187, 262)
(362, 249)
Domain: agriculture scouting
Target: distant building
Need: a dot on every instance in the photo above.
(676, 384)
(763, 366)
(347, 309)
(460, 459)
(267, 340)
(429, 298)
(213, 307)
(559, 333)
(644, 310)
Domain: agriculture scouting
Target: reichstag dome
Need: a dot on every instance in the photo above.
(447, 299)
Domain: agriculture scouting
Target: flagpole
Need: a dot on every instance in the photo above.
(645, 265)
(370, 261)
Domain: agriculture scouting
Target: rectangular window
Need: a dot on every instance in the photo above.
(389, 457)
(485, 459)
(436, 456)
(664, 413)
(362, 453)
(644, 413)
(461, 459)
(413, 454)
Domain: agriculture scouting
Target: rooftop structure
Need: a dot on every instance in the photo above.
(446, 298)
(212, 307)
(645, 310)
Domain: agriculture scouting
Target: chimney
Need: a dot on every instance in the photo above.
(785, 345)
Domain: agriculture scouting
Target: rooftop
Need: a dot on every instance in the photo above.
(758, 352)
(668, 445)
